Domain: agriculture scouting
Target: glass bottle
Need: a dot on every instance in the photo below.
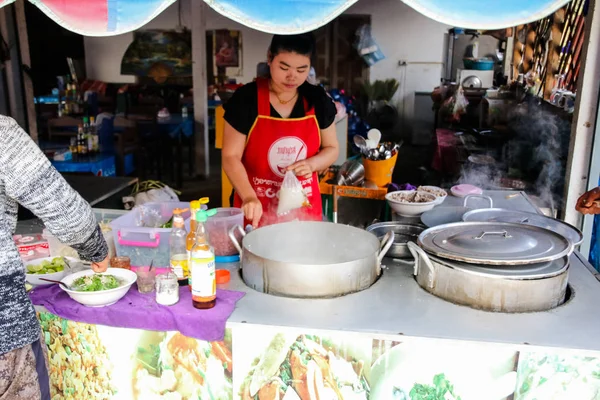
(202, 266)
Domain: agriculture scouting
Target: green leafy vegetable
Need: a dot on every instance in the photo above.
(150, 359)
(96, 283)
(168, 224)
(441, 389)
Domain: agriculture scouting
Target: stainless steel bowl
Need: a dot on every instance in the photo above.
(403, 233)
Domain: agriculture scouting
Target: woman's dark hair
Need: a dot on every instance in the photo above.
(303, 43)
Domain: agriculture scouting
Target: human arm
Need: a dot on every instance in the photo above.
(587, 203)
(234, 143)
(30, 179)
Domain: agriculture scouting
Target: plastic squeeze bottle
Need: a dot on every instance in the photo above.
(196, 206)
(179, 257)
(202, 266)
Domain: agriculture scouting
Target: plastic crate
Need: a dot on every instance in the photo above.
(145, 245)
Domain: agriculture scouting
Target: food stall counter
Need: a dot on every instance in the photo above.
(367, 345)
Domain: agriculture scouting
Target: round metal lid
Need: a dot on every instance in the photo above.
(533, 271)
(494, 243)
(472, 82)
(521, 217)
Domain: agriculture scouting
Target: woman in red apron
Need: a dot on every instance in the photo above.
(279, 124)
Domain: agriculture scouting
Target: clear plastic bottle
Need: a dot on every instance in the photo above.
(177, 246)
(202, 266)
(195, 206)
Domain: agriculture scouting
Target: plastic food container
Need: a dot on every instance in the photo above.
(31, 246)
(142, 244)
(104, 217)
(218, 227)
(465, 190)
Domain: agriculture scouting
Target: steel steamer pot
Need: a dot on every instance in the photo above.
(502, 267)
(310, 259)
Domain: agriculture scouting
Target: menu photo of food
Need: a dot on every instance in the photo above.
(557, 376)
(100, 362)
(430, 369)
(78, 363)
(283, 364)
(169, 365)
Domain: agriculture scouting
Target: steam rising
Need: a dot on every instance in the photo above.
(535, 153)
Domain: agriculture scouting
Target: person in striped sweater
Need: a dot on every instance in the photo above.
(27, 178)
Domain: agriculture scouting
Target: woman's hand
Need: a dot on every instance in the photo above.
(101, 266)
(587, 203)
(302, 168)
(253, 210)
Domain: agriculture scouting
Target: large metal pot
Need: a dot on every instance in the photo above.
(403, 233)
(536, 287)
(310, 259)
(499, 267)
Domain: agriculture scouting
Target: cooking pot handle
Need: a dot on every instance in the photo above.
(386, 243)
(234, 239)
(478, 196)
(419, 256)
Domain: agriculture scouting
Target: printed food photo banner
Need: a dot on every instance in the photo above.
(115, 17)
(267, 363)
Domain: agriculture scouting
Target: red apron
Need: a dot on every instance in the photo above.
(271, 146)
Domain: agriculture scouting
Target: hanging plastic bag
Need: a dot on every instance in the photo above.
(291, 195)
(367, 47)
(150, 191)
(456, 105)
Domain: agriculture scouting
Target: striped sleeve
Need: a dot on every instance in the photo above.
(32, 181)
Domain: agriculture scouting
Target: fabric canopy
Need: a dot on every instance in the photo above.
(486, 14)
(296, 16)
(102, 17)
(114, 17)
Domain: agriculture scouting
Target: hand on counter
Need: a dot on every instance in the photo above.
(253, 210)
(100, 266)
(589, 202)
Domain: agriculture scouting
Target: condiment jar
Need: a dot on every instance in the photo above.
(121, 262)
(167, 289)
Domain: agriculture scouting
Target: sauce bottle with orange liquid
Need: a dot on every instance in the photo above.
(202, 266)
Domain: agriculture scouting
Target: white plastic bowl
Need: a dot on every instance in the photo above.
(104, 297)
(411, 209)
(34, 279)
(440, 198)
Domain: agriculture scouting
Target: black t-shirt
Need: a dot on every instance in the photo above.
(242, 108)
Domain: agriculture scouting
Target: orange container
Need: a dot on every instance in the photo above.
(380, 172)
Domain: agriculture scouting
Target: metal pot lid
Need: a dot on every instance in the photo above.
(543, 270)
(443, 215)
(472, 81)
(494, 243)
(521, 217)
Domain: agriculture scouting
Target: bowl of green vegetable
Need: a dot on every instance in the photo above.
(98, 290)
(54, 268)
